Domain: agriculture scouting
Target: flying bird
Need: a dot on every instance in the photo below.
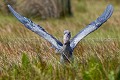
(65, 49)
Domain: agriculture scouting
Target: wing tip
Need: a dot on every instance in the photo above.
(17, 15)
(110, 11)
(110, 6)
(11, 9)
(106, 14)
(9, 6)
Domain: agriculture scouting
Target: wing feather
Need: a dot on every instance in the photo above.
(92, 26)
(37, 29)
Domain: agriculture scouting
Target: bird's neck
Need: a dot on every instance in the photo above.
(67, 44)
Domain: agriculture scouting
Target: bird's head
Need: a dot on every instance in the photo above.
(67, 36)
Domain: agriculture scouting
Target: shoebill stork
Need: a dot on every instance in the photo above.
(65, 49)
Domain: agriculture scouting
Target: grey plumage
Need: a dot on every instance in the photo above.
(92, 26)
(65, 49)
(37, 29)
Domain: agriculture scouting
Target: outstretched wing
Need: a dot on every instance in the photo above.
(92, 26)
(37, 29)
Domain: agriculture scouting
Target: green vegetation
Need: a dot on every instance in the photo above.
(26, 56)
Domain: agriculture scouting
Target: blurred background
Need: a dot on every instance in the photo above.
(50, 8)
(26, 56)
(42, 8)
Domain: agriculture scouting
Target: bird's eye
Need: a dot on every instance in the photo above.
(69, 35)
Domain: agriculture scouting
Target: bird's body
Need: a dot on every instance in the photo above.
(65, 49)
(66, 53)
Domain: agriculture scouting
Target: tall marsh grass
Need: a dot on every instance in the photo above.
(26, 56)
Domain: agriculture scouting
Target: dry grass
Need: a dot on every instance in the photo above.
(24, 55)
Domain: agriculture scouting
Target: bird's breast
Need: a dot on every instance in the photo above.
(67, 52)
